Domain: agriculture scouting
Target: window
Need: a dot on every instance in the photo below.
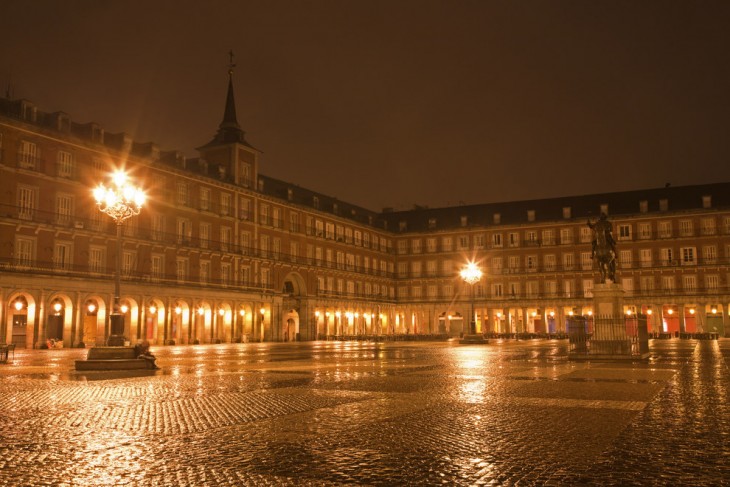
(62, 255)
(225, 204)
(531, 237)
(464, 221)
(548, 237)
(566, 212)
(624, 232)
(709, 254)
(245, 209)
(246, 275)
(64, 209)
(225, 238)
(551, 288)
(530, 215)
(264, 215)
(586, 262)
(513, 263)
(586, 234)
(531, 263)
(514, 239)
(478, 241)
(225, 273)
(497, 290)
(416, 269)
(182, 269)
(666, 257)
(158, 226)
(157, 263)
(568, 290)
(707, 202)
(204, 235)
(26, 200)
(645, 257)
(28, 155)
(496, 240)
(204, 271)
(416, 246)
(628, 284)
(688, 255)
(245, 242)
(712, 282)
(708, 226)
(184, 230)
(496, 218)
(644, 231)
(624, 259)
(665, 229)
(319, 228)
(129, 262)
(204, 199)
(348, 235)
(358, 238)
(566, 236)
(568, 261)
(647, 283)
(431, 223)
(685, 228)
(97, 259)
(65, 164)
(588, 288)
(293, 251)
(663, 205)
(340, 233)
(294, 222)
(181, 195)
(689, 283)
(431, 245)
(463, 242)
(329, 230)
(643, 206)
(447, 244)
(264, 246)
(668, 283)
(431, 267)
(549, 262)
(402, 247)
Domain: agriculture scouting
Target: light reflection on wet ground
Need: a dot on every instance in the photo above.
(369, 414)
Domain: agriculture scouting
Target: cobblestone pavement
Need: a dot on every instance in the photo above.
(330, 413)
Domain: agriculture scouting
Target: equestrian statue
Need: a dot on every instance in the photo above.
(603, 248)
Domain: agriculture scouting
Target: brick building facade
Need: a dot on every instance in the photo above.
(222, 253)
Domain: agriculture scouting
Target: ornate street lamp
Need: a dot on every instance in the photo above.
(471, 274)
(121, 201)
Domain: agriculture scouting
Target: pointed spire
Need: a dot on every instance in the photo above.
(229, 131)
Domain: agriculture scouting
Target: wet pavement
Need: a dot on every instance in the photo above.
(358, 413)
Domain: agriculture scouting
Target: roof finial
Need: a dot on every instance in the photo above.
(231, 65)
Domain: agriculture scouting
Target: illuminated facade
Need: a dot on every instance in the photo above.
(222, 253)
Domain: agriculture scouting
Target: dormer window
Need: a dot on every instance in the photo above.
(566, 212)
(663, 205)
(530, 215)
(431, 223)
(643, 206)
(315, 202)
(464, 221)
(403, 226)
(707, 202)
(497, 218)
(604, 209)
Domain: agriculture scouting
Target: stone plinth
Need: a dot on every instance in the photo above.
(111, 358)
(473, 338)
(608, 299)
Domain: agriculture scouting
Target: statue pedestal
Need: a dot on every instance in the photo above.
(610, 339)
(608, 299)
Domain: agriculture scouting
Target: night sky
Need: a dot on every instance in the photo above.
(397, 102)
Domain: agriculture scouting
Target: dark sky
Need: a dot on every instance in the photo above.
(394, 103)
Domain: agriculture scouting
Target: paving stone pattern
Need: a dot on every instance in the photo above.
(327, 413)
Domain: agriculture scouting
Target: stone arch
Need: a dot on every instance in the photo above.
(153, 321)
(21, 319)
(294, 285)
(201, 322)
(58, 319)
(290, 326)
(180, 322)
(92, 318)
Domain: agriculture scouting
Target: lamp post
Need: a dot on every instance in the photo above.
(121, 201)
(471, 274)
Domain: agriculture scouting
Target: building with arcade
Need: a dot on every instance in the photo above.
(222, 253)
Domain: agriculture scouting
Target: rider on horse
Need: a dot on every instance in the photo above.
(603, 248)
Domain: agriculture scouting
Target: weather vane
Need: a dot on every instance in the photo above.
(231, 65)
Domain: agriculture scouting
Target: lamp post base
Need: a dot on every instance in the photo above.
(116, 338)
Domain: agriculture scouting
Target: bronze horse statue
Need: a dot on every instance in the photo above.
(603, 248)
